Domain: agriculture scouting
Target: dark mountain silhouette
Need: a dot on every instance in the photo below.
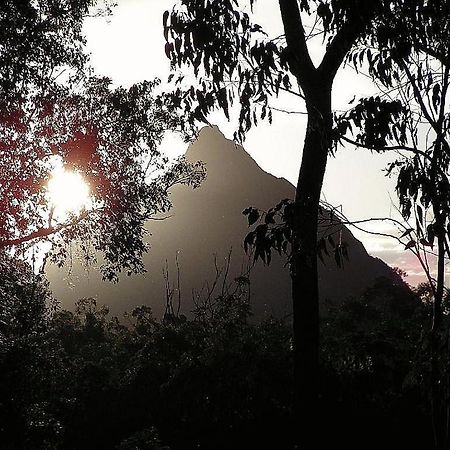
(202, 228)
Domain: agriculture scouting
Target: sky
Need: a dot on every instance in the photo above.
(128, 47)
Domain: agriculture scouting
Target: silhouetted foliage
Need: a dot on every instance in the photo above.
(53, 112)
(40, 40)
(408, 57)
(214, 380)
(81, 379)
(235, 61)
(374, 368)
(273, 231)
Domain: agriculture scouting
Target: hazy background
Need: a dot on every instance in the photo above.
(129, 47)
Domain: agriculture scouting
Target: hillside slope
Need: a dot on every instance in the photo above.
(204, 226)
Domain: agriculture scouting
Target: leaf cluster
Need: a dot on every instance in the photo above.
(231, 57)
(274, 232)
(375, 121)
(109, 136)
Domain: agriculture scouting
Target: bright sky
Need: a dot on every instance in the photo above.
(129, 47)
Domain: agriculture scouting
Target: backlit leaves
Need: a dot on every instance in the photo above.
(408, 56)
(374, 122)
(232, 60)
(274, 231)
(108, 135)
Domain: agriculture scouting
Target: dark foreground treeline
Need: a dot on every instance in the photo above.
(217, 380)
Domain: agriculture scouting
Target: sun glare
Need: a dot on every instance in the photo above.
(68, 192)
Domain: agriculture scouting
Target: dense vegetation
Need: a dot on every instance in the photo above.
(82, 379)
(404, 46)
(217, 379)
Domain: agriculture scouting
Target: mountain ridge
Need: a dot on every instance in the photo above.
(208, 221)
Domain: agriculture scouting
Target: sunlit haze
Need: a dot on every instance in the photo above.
(129, 47)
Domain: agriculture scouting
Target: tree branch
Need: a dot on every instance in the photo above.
(339, 47)
(42, 232)
(299, 58)
(385, 149)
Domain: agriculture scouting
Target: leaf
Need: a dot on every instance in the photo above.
(344, 250)
(253, 216)
(168, 49)
(423, 241)
(430, 234)
(249, 241)
(269, 218)
(324, 12)
(268, 256)
(410, 244)
(407, 232)
(261, 231)
(435, 96)
(331, 241)
(419, 214)
(165, 27)
(337, 256)
(223, 101)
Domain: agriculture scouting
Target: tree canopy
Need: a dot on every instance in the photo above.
(38, 41)
(55, 112)
(81, 378)
(409, 60)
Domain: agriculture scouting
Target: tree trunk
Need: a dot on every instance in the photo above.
(305, 291)
(447, 397)
(436, 389)
(316, 84)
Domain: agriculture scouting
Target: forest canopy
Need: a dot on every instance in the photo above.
(54, 111)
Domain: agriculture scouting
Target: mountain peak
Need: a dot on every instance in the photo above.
(228, 162)
(204, 225)
(211, 146)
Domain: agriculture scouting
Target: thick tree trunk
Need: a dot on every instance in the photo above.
(305, 291)
(316, 84)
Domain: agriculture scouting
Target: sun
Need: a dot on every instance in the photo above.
(67, 192)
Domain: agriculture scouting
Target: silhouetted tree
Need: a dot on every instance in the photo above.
(108, 136)
(409, 58)
(234, 60)
(53, 112)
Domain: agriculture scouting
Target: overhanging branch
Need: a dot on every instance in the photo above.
(42, 232)
(300, 60)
